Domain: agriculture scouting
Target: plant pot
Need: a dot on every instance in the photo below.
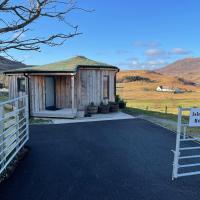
(104, 108)
(87, 115)
(122, 104)
(92, 109)
(114, 107)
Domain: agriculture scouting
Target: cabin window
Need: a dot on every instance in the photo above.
(21, 84)
(106, 87)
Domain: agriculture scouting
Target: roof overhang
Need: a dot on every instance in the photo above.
(34, 73)
(37, 72)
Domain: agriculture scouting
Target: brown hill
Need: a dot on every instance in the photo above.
(6, 64)
(139, 91)
(142, 84)
(152, 79)
(188, 68)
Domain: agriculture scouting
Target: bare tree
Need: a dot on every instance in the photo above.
(16, 19)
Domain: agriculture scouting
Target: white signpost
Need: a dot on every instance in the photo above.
(186, 143)
(194, 119)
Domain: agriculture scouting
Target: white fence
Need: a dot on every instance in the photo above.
(187, 151)
(14, 129)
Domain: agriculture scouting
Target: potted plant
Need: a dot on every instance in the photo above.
(104, 108)
(122, 104)
(114, 106)
(117, 98)
(92, 109)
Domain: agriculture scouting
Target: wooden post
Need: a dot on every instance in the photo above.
(72, 88)
(165, 109)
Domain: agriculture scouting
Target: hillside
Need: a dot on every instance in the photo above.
(150, 80)
(6, 64)
(139, 90)
(188, 68)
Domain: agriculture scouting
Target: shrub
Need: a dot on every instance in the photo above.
(134, 79)
(121, 102)
(186, 82)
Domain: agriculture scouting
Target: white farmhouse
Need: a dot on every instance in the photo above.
(165, 89)
(168, 89)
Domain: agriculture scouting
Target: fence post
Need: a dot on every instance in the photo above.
(17, 121)
(177, 152)
(184, 132)
(165, 109)
(27, 115)
(1, 136)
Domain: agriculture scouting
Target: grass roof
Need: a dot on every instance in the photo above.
(69, 65)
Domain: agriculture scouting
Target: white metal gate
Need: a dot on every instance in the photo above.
(187, 152)
(14, 129)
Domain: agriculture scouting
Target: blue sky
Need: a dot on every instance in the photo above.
(130, 34)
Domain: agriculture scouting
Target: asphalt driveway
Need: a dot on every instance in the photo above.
(108, 160)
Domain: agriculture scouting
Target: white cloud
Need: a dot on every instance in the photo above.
(154, 56)
(146, 44)
(135, 63)
(154, 64)
(179, 51)
(154, 52)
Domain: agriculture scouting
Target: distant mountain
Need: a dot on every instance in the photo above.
(141, 85)
(188, 68)
(6, 64)
(152, 79)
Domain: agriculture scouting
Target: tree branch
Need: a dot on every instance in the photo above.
(16, 19)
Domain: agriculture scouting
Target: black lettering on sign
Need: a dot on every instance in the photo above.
(197, 120)
(196, 114)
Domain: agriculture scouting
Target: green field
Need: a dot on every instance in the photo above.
(169, 106)
(155, 111)
(3, 98)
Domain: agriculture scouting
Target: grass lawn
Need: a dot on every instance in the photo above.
(3, 98)
(156, 114)
(167, 120)
(137, 112)
(143, 95)
(160, 108)
(169, 106)
(40, 121)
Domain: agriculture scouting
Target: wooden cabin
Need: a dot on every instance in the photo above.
(63, 89)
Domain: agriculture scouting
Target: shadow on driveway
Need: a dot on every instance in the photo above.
(108, 160)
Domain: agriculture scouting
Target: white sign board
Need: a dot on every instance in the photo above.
(194, 117)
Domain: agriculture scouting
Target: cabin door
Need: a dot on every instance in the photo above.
(50, 93)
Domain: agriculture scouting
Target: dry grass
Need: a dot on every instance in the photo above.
(142, 95)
